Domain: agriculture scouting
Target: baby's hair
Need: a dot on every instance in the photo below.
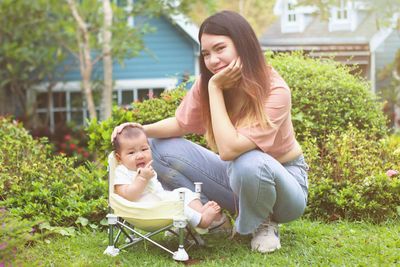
(127, 132)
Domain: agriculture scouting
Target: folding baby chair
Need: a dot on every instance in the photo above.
(153, 218)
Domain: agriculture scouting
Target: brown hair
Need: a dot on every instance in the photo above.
(255, 73)
(128, 131)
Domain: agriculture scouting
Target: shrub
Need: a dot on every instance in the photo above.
(326, 98)
(70, 140)
(14, 233)
(38, 186)
(347, 177)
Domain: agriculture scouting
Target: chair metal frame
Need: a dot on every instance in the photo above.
(134, 236)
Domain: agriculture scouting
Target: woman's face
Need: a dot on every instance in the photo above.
(218, 51)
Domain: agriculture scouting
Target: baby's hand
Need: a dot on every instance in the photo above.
(147, 171)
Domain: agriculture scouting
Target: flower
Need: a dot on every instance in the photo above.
(392, 173)
(67, 137)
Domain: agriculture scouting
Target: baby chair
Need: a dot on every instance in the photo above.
(153, 218)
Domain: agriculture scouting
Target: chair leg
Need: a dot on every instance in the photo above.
(111, 250)
(181, 254)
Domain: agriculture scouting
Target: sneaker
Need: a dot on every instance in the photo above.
(220, 225)
(266, 237)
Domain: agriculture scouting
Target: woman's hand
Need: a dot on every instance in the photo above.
(120, 127)
(227, 78)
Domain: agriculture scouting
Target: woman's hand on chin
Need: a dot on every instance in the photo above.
(227, 78)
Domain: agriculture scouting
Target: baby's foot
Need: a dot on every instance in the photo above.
(209, 214)
(207, 205)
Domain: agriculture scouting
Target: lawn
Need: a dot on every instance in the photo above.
(304, 243)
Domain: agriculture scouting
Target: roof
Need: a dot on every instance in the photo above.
(186, 25)
(317, 33)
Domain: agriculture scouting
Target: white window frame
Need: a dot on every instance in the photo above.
(343, 17)
(290, 12)
(338, 13)
(120, 85)
(293, 18)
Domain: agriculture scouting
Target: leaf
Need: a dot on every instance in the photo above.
(83, 221)
(93, 226)
(45, 225)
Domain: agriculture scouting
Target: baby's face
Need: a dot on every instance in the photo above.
(135, 152)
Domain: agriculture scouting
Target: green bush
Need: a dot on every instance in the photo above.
(15, 234)
(38, 186)
(347, 177)
(326, 98)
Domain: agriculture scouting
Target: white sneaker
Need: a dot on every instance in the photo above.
(266, 237)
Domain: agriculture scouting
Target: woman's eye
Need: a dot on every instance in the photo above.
(220, 48)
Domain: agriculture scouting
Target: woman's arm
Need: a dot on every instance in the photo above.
(165, 128)
(162, 129)
(229, 142)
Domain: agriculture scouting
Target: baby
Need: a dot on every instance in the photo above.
(136, 180)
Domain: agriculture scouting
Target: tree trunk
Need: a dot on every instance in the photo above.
(107, 62)
(85, 60)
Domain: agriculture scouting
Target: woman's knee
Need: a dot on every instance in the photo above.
(248, 169)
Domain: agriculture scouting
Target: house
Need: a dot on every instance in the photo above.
(350, 35)
(170, 56)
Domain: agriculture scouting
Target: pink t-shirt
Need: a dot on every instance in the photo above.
(276, 140)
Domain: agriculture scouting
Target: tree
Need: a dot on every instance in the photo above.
(36, 37)
(107, 60)
(257, 12)
(119, 40)
(85, 58)
(29, 50)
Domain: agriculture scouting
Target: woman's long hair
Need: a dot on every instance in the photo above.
(255, 73)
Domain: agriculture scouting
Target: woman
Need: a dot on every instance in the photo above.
(243, 107)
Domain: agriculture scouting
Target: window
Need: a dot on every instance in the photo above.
(291, 13)
(69, 106)
(343, 17)
(293, 17)
(127, 96)
(65, 106)
(342, 11)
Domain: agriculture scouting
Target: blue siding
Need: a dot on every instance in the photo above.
(169, 53)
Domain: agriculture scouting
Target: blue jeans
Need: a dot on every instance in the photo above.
(254, 184)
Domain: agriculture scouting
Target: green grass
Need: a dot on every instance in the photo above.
(304, 243)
